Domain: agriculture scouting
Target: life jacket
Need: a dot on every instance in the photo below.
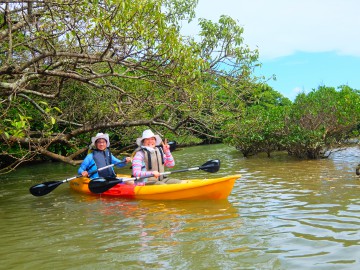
(154, 161)
(102, 159)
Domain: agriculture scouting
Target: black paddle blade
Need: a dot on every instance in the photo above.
(172, 146)
(100, 185)
(211, 166)
(44, 188)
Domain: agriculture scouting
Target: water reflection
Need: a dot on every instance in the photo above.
(282, 214)
(167, 219)
(310, 210)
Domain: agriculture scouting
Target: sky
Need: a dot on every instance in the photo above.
(304, 43)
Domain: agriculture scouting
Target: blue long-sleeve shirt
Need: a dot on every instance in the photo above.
(89, 165)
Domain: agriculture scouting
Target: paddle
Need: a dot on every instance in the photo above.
(46, 187)
(172, 145)
(100, 185)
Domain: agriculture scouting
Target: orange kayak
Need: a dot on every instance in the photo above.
(195, 189)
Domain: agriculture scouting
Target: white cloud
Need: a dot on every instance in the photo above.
(283, 27)
(298, 90)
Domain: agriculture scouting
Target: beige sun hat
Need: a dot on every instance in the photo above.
(101, 136)
(146, 135)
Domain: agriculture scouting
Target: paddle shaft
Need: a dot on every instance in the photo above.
(100, 185)
(91, 173)
(182, 170)
(163, 173)
(46, 187)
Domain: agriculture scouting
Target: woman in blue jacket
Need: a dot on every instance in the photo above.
(101, 157)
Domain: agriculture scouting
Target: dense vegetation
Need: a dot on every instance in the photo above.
(69, 69)
(307, 128)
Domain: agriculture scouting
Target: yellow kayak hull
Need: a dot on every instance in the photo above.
(195, 189)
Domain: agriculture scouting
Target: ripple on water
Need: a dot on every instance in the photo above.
(283, 213)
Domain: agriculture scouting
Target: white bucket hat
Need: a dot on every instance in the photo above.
(146, 135)
(101, 136)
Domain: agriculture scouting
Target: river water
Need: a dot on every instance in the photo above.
(283, 213)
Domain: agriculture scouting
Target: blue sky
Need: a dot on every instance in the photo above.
(305, 43)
